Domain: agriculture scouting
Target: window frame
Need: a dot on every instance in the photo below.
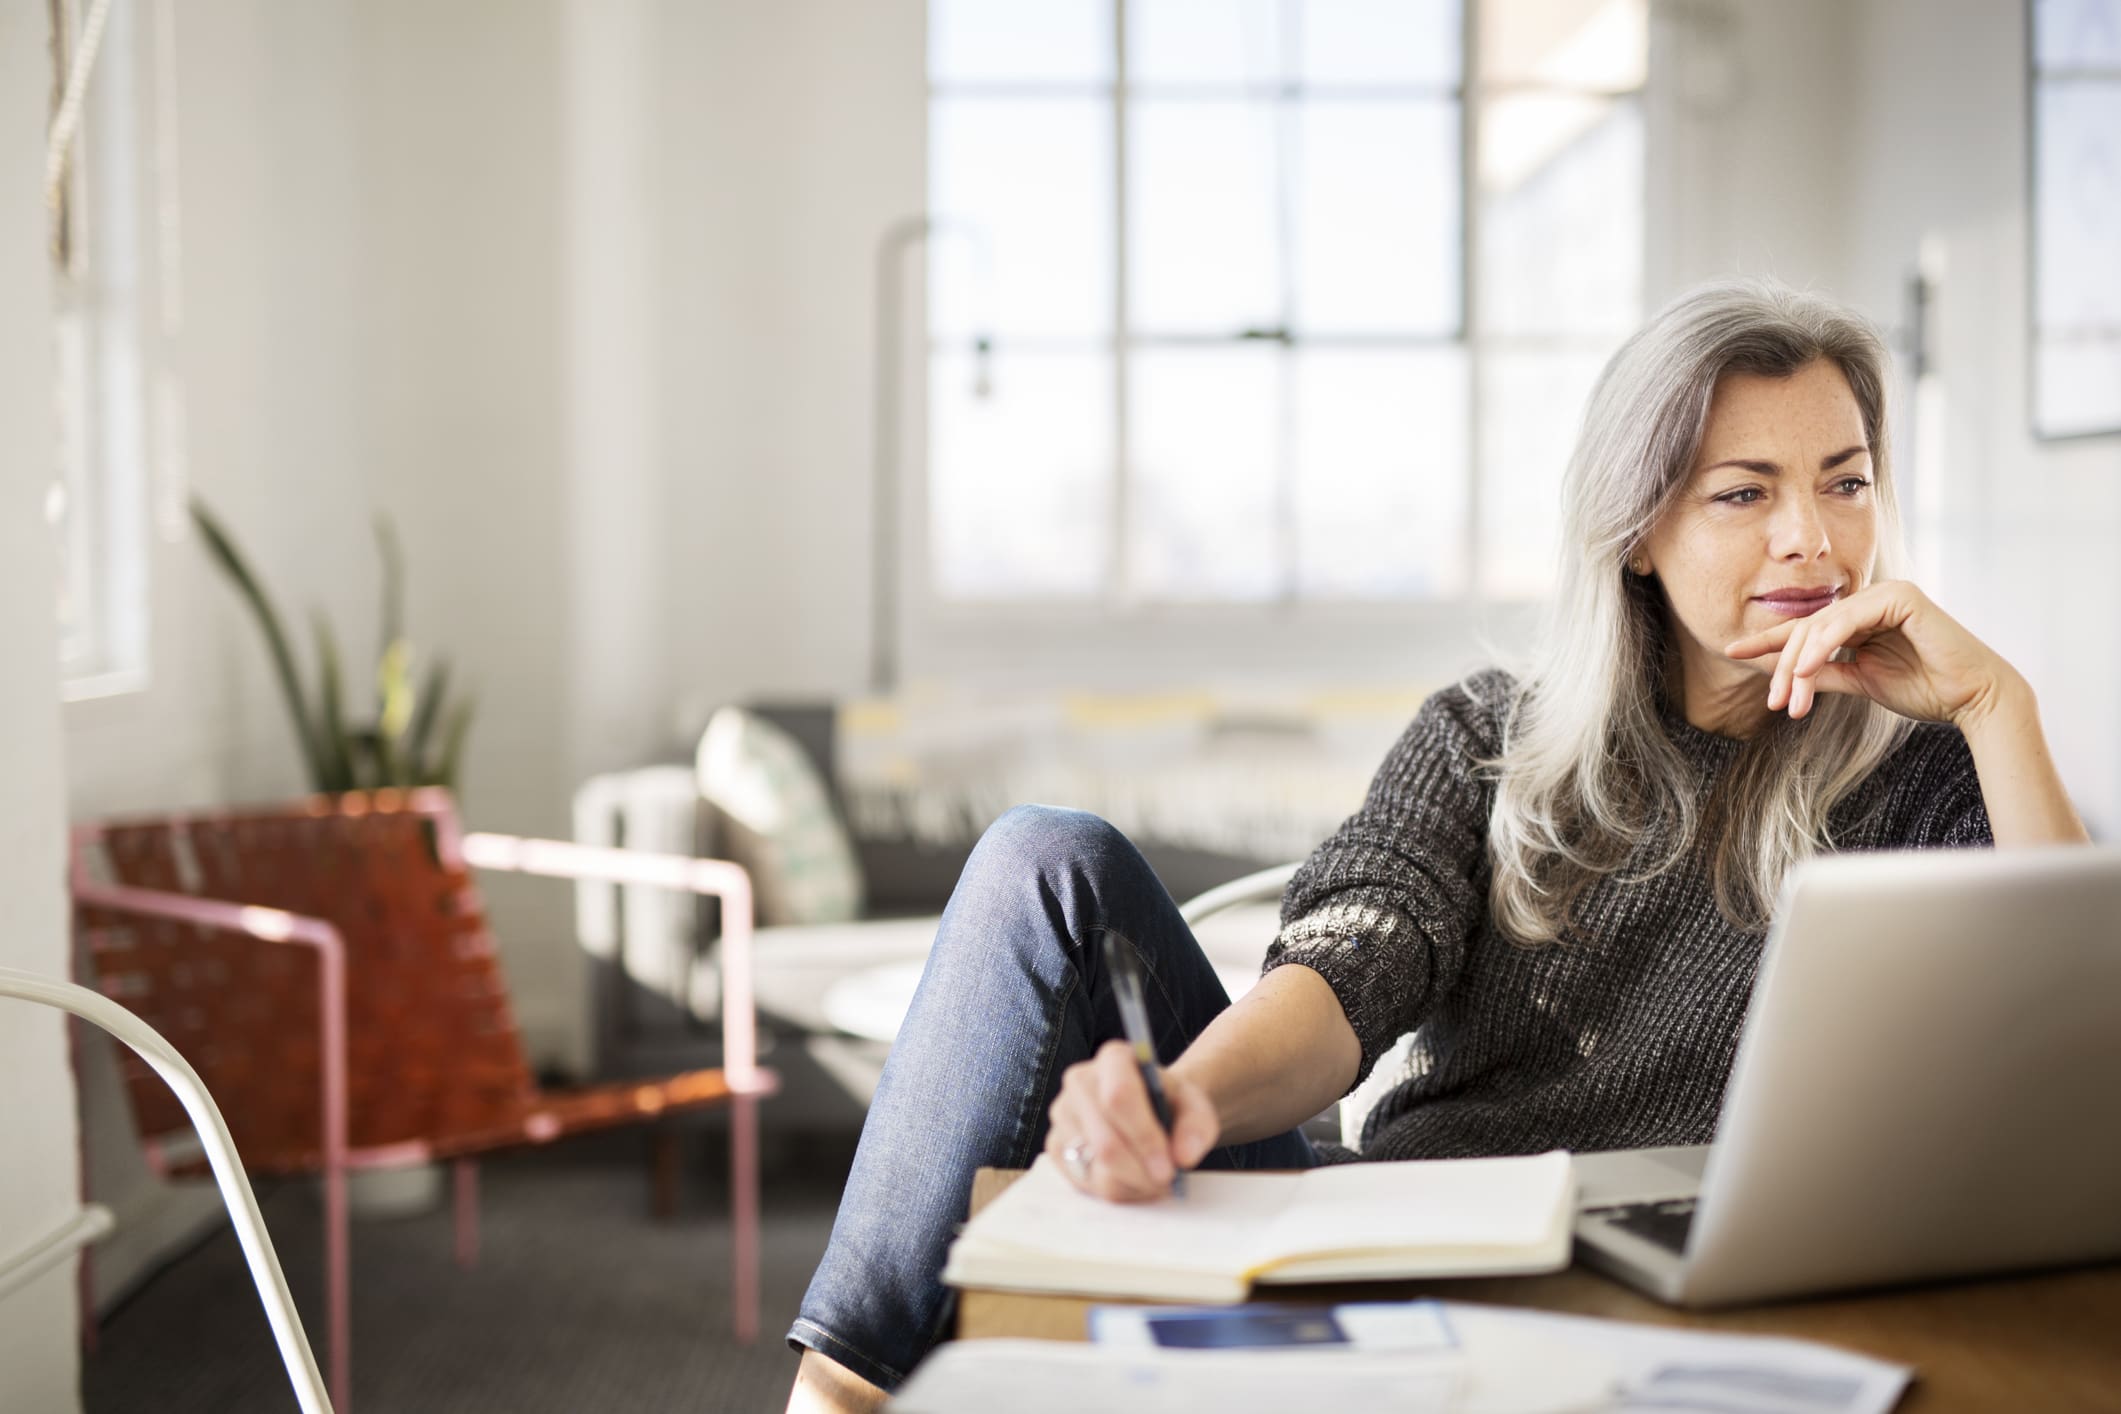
(2039, 81)
(114, 313)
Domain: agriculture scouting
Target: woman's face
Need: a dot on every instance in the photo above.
(1776, 521)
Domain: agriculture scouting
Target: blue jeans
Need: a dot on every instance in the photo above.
(1014, 993)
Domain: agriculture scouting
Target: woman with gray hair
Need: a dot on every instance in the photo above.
(1559, 881)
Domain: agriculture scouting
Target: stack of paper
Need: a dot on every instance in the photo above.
(1424, 1357)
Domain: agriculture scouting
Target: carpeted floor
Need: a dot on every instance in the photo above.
(581, 1300)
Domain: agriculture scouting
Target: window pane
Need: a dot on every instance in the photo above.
(1380, 473)
(1201, 217)
(101, 402)
(1020, 481)
(1202, 512)
(1203, 41)
(2078, 190)
(999, 41)
(2077, 34)
(1376, 217)
(72, 495)
(1023, 191)
(1379, 41)
(1600, 44)
(1562, 200)
(1532, 406)
(2078, 385)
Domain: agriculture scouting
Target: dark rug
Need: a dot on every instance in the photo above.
(581, 1299)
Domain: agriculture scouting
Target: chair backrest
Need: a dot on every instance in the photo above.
(432, 1045)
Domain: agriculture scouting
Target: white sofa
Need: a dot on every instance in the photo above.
(825, 992)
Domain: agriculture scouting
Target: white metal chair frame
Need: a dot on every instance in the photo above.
(99, 1010)
(1391, 1066)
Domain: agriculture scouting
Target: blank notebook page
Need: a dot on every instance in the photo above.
(1235, 1222)
(1509, 1202)
(1202, 1231)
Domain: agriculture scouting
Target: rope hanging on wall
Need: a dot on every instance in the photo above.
(66, 113)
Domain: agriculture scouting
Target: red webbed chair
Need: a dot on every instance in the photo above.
(327, 970)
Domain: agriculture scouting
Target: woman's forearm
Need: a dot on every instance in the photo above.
(1281, 1054)
(2019, 784)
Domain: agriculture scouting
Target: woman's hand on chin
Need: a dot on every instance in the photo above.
(1904, 653)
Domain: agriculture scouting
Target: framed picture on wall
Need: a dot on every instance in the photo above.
(2075, 176)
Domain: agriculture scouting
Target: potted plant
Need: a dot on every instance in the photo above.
(416, 735)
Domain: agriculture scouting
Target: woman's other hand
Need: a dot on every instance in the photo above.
(1123, 1154)
(1905, 654)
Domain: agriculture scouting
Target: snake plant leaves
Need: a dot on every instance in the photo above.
(445, 773)
(398, 748)
(336, 749)
(225, 554)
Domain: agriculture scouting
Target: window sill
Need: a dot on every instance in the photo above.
(92, 687)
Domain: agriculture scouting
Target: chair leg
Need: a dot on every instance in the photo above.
(665, 1168)
(744, 1215)
(464, 1181)
(338, 1288)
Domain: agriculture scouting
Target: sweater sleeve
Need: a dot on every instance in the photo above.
(1386, 908)
(1945, 807)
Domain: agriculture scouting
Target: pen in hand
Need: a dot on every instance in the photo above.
(1125, 972)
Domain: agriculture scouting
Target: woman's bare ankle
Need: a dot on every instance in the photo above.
(825, 1386)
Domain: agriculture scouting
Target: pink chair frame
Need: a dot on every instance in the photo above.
(557, 859)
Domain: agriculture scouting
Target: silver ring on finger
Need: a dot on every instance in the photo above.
(1077, 1158)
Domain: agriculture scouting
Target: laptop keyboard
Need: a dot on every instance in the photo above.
(1665, 1223)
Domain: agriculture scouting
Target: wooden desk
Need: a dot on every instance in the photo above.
(2049, 1342)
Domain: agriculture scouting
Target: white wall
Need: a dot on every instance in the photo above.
(2026, 537)
(1747, 151)
(459, 395)
(621, 610)
(39, 1360)
(792, 136)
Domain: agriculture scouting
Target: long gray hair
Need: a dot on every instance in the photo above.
(1588, 773)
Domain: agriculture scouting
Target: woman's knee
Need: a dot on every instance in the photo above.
(1069, 868)
(1050, 838)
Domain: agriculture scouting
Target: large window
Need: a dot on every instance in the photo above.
(1246, 301)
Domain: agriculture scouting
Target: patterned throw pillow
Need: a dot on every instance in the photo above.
(774, 817)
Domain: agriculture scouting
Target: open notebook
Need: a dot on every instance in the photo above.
(1345, 1222)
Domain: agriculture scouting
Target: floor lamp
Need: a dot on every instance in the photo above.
(899, 237)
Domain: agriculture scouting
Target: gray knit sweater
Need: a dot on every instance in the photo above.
(1620, 1036)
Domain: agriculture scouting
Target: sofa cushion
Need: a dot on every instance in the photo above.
(773, 815)
(793, 968)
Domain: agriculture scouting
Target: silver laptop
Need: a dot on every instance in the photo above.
(1928, 1085)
